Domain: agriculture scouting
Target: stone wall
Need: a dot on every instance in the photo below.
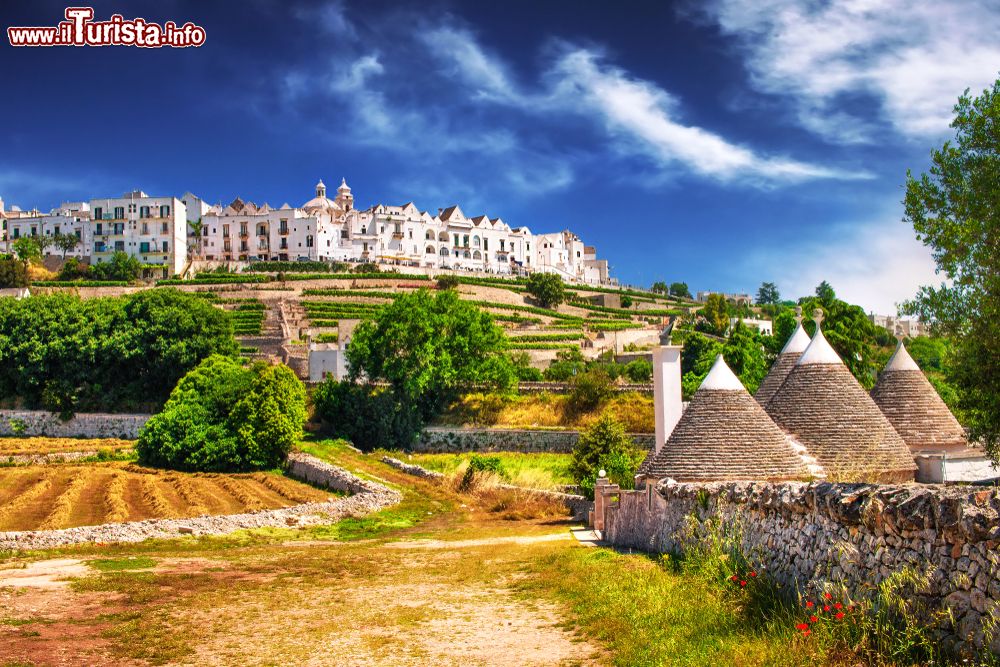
(453, 440)
(820, 534)
(92, 425)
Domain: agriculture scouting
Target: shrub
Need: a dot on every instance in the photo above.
(639, 370)
(368, 417)
(548, 289)
(480, 464)
(523, 369)
(605, 445)
(13, 272)
(223, 417)
(447, 281)
(590, 389)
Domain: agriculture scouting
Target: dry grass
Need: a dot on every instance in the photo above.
(41, 445)
(64, 496)
(546, 410)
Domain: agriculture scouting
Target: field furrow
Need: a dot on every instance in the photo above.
(65, 503)
(9, 511)
(286, 491)
(182, 486)
(235, 488)
(116, 508)
(152, 493)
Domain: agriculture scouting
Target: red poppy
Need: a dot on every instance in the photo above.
(838, 606)
(753, 574)
(813, 619)
(809, 604)
(802, 626)
(828, 596)
(806, 633)
(839, 615)
(733, 578)
(826, 607)
(743, 583)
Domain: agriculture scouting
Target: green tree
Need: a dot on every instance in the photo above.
(27, 249)
(547, 289)
(851, 334)
(716, 314)
(955, 210)
(13, 272)
(824, 292)
(639, 370)
(680, 290)
(223, 417)
(588, 390)
(429, 348)
(659, 287)
(121, 266)
(768, 294)
(66, 243)
(568, 363)
(626, 301)
(745, 354)
(604, 446)
(197, 230)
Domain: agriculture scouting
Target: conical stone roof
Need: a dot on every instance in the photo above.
(724, 434)
(823, 406)
(914, 408)
(783, 365)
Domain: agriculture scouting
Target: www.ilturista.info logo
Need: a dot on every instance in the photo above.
(79, 29)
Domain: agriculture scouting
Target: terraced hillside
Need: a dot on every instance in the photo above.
(65, 496)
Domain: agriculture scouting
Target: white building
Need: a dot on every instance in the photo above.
(151, 229)
(70, 219)
(766, 327)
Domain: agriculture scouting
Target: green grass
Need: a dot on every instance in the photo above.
(648, 615)
(536, 470)
(121, 564)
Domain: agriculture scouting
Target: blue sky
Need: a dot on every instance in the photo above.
(722, 143)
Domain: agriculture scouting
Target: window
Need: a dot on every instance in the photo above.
(98, 213)
(119, 246)
(119, 212)
(284, 244)
(465, 240)
(144, 247)
(166, 246)
(163, 228)
(243, 246)
(56, 230)
(100, 229)
(243, 229)
(225, 231)
(261, 230)
(486, 244)
(34, 231)
(164, 211)
(444, 251)
(429, 235)
(143, 211)
(204, 231)
(17, 233)
(283, 227)
(309, 241)
(145, 228)
(475, 241)
(456, 240)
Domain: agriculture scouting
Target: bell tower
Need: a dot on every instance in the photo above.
(344, 197)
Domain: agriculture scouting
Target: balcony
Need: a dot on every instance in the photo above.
(397, 235)
(243, 234)
(283, 231)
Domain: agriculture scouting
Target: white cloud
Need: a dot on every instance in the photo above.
(875, 265)
(912, 57)
(638, 116)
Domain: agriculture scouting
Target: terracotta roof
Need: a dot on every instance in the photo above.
(823, 406)
(724, 434)
(912, 405)
(783, 365)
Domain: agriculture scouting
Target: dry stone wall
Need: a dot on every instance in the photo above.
(454, 440)
(86, 425)
(820, 534)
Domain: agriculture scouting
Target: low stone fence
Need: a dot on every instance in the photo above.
(84, 425)
(436, 440)
(817, 535)
(366, 497)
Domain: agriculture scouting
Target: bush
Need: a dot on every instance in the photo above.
(447, 281)
(590, 389)
(370, 418)
(639, 370)
(523, 369)
(64, 353)
(480, 464)
(223, 417)
(604, 446)
(548, 289)
(13, 272)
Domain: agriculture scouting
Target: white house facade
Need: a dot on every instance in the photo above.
(154, 230)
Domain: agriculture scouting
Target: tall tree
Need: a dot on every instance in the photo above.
(27, 249)
(659, 287)
(716, 314)
(768, 294)
(955, 210)
(825, 293)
